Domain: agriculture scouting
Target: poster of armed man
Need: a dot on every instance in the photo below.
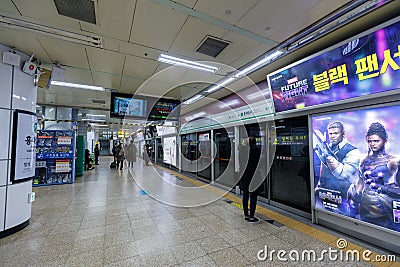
(357, 164)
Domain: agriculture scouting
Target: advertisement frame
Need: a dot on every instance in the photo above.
(15, 142)
(315, 210)
(338, 102)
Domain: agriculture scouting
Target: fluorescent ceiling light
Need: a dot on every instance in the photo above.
(193, 99)
(98, 125)
(229, 103)
(186, 63)
(77, 85)
(92, 120)
(259, 63)
(220, 85)
(17, 24)
(93, 115)
(257, 94)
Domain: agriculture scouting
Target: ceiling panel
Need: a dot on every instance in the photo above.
(257, 51)
(188, 3)
(184, 92)
(106, 80)
(217, 9)
(75, 75)
(139, 68)
(65, 53)
(239, 47)
(139, 51)
(153, 23)
(114, 18)
(23, 41)
(306, 19)
(129, 85)
(173, 77)
(8, 6)
(274, 14)
(191, 35)
(46, 12)
(112, 44)
(105, 61)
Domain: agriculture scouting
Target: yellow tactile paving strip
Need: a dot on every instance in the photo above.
(289, 222)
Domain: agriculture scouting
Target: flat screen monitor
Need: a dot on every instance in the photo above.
(125, 105)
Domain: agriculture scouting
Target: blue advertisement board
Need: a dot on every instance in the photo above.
(365, 65)
(356, 164)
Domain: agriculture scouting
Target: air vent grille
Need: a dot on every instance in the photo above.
(212, 46)
(77, 9)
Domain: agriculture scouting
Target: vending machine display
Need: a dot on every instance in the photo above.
(55, 159)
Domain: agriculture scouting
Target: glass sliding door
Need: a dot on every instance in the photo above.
(224, 162)
(160, 151)
(189, 153)
(204, 156)
(290, 178)
(256, 131)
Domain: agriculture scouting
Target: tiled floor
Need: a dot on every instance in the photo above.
(103, 220)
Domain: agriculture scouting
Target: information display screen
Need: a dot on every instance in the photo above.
(124, 105)
(165, 109)
(361, 67)
(356, 164)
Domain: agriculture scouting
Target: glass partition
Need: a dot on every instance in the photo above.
(290, 171)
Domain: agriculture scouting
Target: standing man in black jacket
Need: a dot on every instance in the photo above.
(248, 175)
(96, 154)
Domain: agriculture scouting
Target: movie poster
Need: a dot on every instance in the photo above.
(170, 150)
(364, 66)
(356, 164)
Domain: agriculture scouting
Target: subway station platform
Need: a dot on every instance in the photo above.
(151, 216)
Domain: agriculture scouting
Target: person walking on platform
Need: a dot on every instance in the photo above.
(248, 175)
(96, 154)
(120, 156)
(131, 153)
(146, 152)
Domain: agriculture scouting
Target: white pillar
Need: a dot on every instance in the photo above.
(18, 92)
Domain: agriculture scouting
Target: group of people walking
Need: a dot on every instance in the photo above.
(120, 153)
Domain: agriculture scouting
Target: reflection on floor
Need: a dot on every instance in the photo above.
(106, 219)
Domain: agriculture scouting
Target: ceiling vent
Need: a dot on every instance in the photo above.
(83, 10)
(212, 46)
(98, 101)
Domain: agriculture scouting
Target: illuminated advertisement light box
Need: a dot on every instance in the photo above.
(356, 164)
(170, 150)
(23, 146)
(364, 66)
